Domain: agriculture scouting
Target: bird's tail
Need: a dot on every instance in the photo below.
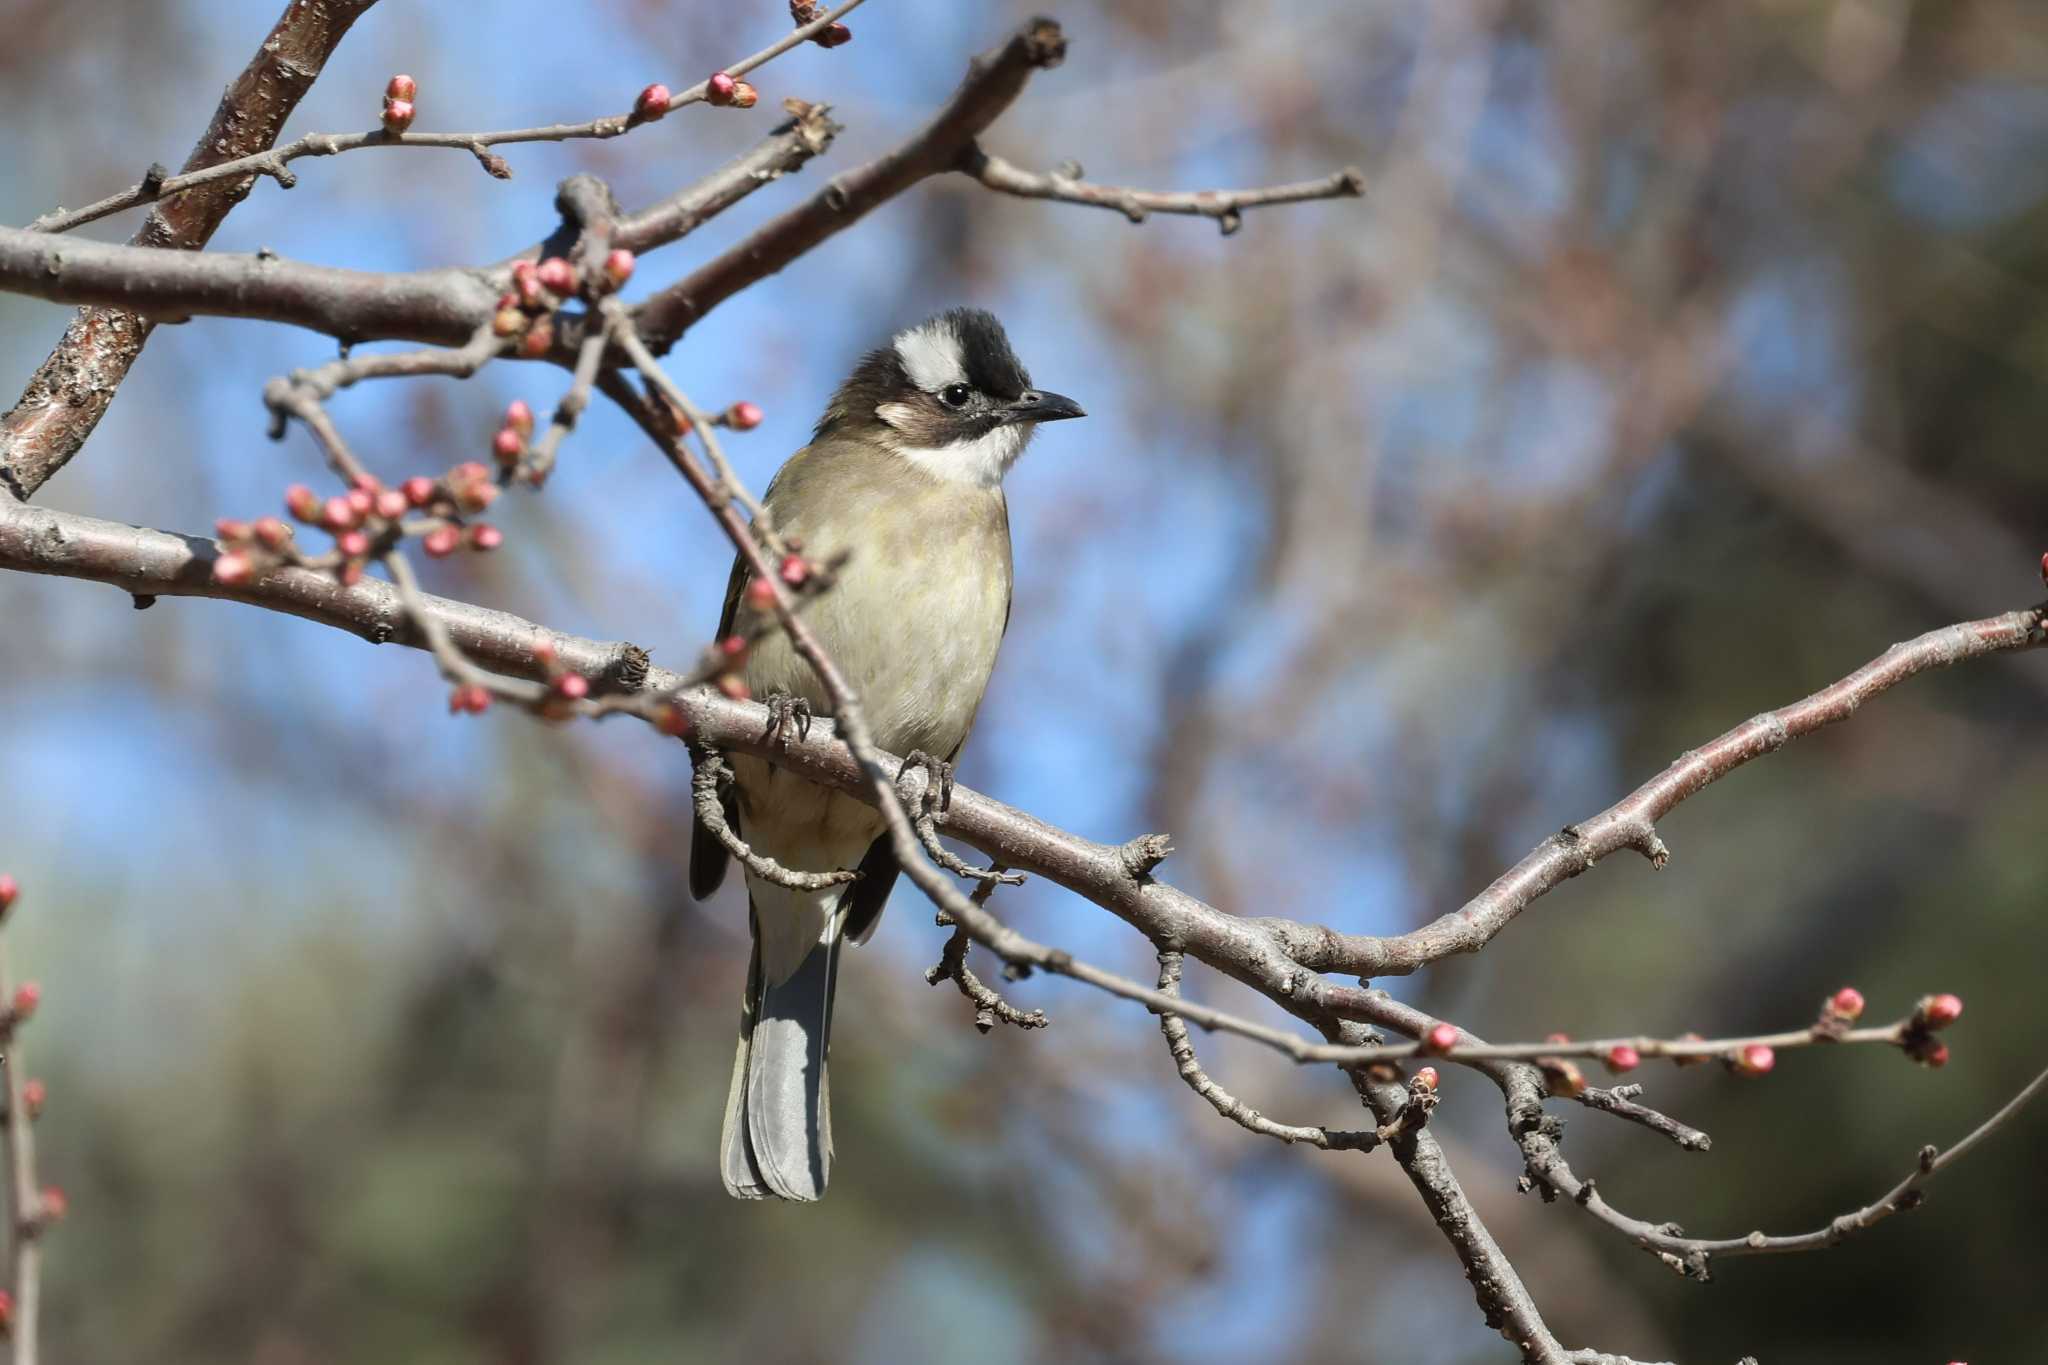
(778, 1120)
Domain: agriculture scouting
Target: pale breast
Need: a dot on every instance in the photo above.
(918, 611)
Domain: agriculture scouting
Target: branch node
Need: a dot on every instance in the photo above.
(1143, 854)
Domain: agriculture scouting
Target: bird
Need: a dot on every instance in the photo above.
(903, 476)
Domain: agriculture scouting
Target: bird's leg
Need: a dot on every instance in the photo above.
(786, 709)
(938, 792)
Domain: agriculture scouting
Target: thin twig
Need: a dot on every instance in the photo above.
(24, 1191)
(1225, 206)
(1621, 1102)
(704, 781)
(989, 1006)
(275, 162)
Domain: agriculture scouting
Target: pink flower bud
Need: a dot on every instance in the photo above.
(507, 446)
(476, 495)
(1440, 1039)
(400, 88)
(793, 570)
(10, 891)
(397, 115)
(419, 490)
(338, 514)
(484, 536)
(718, 89)
(33, 1096)
(618, 266)
(539, 338)
(526, 282)
(733, 649)
(354, 544)
(743, 415)
(272, 533)
(519, 417)
(228, 530)
(233, 569)
(361, 501)
(441, 542)
(652, 104)
(1937, 1055)
(1754, 1059)
(760, 594)
(27, 997)
(391, 504)
(473, 698)
(544, 653)
(302, 502)
(833, 35)
(1846, 1003)
(1425, 1079)
(1621, 1057)
(54, 1204)
(1939, 1011)
(557, 276)
(734, 686)
(573, 686)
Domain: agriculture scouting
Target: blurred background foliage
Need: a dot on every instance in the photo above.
(1680, 357)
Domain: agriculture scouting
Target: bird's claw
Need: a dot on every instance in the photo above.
(785, 710)
(939, 791)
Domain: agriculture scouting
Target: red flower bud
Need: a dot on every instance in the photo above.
(397, 115)
(526, 281)
(33, 1094)
(557, 276)
(484, 536)
(441, 542)
(473, 698)
(1939, 1011)
(573, 686)
(302, 502)
(618, 266)
(744, 96)
(338, 514)
(793, 570)
(1621, 1057)
(273, 534)
(469, 471)
(361, 501)
(833, 35)
(1425, 1079)
(1753, 1060)
(233, 569)
(229, 530)
(671, 720)
(10, 891)
(54, 1204)
(419, 490)
(538, 339)
(519, 417)
(508, 322)
(1937, 1055)
(507, 446)
(27, 997)
(6, 1313)
(743, 416)
(1846, 1003)
(1440, 1039)
(354, 544)
(652, 104)
(2044, 568)
(734, 649)
(760, 594)
(719, 89)
(734, 686)
(400, 88)
(391, 504)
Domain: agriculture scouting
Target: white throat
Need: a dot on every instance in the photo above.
(981, 461)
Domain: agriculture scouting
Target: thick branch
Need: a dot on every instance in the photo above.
(71, 390)
(993, 82)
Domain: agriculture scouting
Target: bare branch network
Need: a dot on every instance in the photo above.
(558, 302)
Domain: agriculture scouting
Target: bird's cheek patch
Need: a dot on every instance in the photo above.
(898, 415)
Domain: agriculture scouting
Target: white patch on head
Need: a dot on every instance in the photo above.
(981, 461)
(931, 356)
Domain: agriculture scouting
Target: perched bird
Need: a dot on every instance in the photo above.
(904, 474)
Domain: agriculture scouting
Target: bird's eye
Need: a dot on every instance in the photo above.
(955, 395)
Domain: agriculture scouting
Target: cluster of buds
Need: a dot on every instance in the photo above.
(527, 309)
(1561, 1075)
(1930, 1016)
(398, 108)
(724, 661)
(251, 548)
(508, 443)
(469, 699)
(1838, 1014)
(721, 89)
(802, 12)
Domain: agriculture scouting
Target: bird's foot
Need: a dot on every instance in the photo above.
(938, 792)
(784, 711)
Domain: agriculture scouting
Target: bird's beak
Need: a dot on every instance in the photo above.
(1039, 406)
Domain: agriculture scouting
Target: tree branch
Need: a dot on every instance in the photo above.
(1227, 207)
(69, 393)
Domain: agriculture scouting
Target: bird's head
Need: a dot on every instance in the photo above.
(949, 396)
